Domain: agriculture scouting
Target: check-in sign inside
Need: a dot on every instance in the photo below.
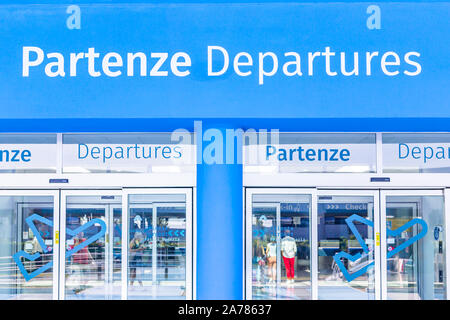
(310, 158)
(27, 156)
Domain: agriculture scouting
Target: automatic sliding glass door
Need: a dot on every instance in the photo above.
(144, 252)
(348, 262)
(308, 244)
(364, 244)
(29, 221)
(278, 262)
(159, 238)
(92, 251)
(413, 245)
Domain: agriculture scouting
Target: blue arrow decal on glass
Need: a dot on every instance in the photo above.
(350, 276)
(337, 257)
(355, 231)
(32, 257)
(90, 240)
(410, 241)
(30, 221)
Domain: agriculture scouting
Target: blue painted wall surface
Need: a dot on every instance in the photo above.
(219, 231)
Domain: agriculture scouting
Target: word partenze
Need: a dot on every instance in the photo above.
(220, 61)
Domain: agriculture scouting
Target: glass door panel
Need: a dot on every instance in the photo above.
(171, 249)
(27, 246)
(346, 247)
(415, 245)
(363, 250)
(279, 264)
(140, 250)
(159, 244)
(92, 261)
(265, 245)
(115, 270)
(156, 245)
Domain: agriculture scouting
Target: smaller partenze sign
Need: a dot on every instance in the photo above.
(312, 157)
(27, 156)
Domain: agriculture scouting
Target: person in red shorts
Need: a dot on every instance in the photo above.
(288, 252)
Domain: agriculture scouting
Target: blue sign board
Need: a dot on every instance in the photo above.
(297, 60)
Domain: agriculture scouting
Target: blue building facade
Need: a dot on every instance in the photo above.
(352, 69)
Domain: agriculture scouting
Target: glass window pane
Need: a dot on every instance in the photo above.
(281, 246)
(93, 244)
(116, 258)
(346, 248)
(157, 247)
(415, 269)
(26, 247)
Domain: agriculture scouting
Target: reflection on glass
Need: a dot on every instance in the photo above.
(116, 252)
(157, 247)
(93, 270)
(417, 271)
(280, 247)
(335, 236)
(34, 280)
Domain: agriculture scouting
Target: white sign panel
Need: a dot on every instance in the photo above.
(127, 157)
(416, 155)
(27, 156)
(310, 158)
